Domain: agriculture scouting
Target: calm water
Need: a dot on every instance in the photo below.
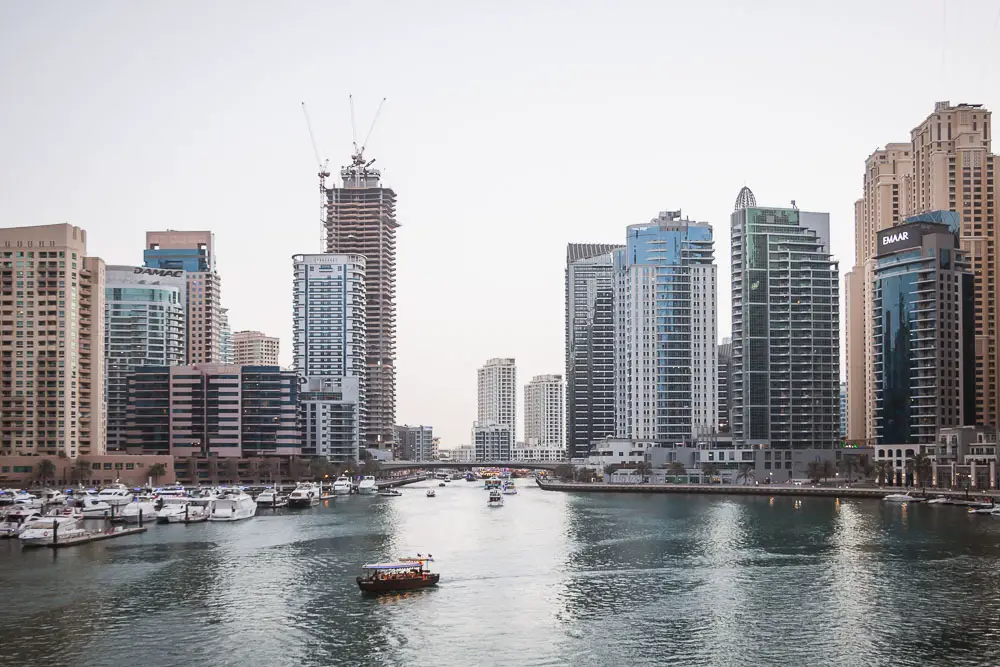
(549, 579)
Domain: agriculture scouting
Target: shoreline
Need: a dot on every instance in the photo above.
(759, 490)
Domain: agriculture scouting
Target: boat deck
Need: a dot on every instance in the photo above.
(96, 536)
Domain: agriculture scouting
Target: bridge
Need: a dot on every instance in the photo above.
(433, 465)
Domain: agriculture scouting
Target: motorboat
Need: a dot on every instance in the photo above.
(901, 498)
(988, 509)
(431, 493)
(172, 506)
(341, 486)
(95, 508)
(53, 497)
(194, 510)
(116, 494)
(509, 488)
(267, 498)
(130, 513)
(172, 491)
(442, 484)
(368, 485)
(390, 492)
(232, 505)
(940, 500)
(406, 574)
(492, 483)
(306, 494)
(495, 498)
(14, 520)
(40, 531)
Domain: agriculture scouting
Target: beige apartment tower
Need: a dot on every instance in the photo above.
(51, 342)
(946, 165)
(253, 348)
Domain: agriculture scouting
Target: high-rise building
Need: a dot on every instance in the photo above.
(51, 343)
(544, 412)
(226, 353)
(590, 345)
(666, 374)
(843, 409)
(946, 166)
(786, 330)
(924, 331)
(329, 352)
(213, 410)
(193, 253)
(415, 443)
(493, 442)
(725, 382)
(498, 394)
(254, 348)
(144, 325)
(361, 220)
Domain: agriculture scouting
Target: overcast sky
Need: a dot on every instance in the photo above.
(510, 129)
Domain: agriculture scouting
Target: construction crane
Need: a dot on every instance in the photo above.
(324, 173)
(359, 152)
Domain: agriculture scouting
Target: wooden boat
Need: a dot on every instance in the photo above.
(406, 574)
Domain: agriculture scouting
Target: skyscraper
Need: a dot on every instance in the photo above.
(51, 343)
(725, 382)
(786, 331)
(361, 220)
(144, 325)
(253, 348)
(329, 352)
(415, 443)
(665, 331)
(226, 353)
(590, 345)
(544, 412)
(193, 253)
(498, 394)
(946, 166)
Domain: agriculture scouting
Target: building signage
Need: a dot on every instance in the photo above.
(899, 238)
(159, 272)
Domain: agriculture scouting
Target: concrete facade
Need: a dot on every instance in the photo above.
(544, 412)
(92, 470)
(253, 348)
(497, 394)
(415, 443)
(492, 441)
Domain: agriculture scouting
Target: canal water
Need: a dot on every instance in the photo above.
(549, 579)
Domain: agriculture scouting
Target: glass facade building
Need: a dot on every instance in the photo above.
(786, 331)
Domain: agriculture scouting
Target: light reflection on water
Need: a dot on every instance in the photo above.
(549, 579)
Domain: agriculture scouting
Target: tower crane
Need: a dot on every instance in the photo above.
(324, 173)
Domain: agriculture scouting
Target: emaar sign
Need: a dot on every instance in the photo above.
(897, 238)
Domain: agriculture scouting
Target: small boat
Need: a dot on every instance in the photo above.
(405, 575)
(989, 509)
(232, 505)
(901, 498)
(368, 486)
(266, 498)
(940, 500)
(442, 484)
(389, 492)
(130, 513)
(509, 488)
(431, 493)
(341, 486)
(306, 494)
(492, 483)
(495, 499)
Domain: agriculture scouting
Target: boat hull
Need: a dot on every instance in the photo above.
(396, 585)
(303, 502)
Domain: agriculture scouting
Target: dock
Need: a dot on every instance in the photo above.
(96, 536)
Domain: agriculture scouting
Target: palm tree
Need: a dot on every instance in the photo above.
(46, 470)
(921, 468)
(643, 469)
(827, 469)
(745, 475)
(564, 472)
(709, 470)
(883, 472)
(610, 469)
(80, 470)
(849, 465)
(814, 470)
(156, 471)
(677, 468)
(866, 467)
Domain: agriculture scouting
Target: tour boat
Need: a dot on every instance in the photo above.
(232, 505)
(492, 483)
(389, 493)
(405, 575)
(306, 494)
(341, 486)
(368, 486)
(116, 494)
(15, 519)
(509, 488)
(130, 513)
(39, 531)
(431, 493)
(495, 499)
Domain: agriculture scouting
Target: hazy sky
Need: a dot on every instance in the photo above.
(510, 129)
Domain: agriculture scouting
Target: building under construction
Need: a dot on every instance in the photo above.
(361, 220)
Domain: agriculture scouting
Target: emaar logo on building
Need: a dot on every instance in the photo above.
(895, 238)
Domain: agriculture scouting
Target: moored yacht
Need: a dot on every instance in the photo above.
(116, 494)
(267, 498)
(14, 520)
(232, 505)
(900, 498)
(172, 506)
(53, 497)
(130, 513)
(40, 531)
(194, 510)
(342, 486)
(306, 494)
(95, 508)
(368, 486)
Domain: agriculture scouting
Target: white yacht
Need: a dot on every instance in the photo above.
(342, 486)
(95, 508)
(53, 497)
(306, 494)
(368, 486)
(14, 520)
(130, 513)
(232, 505)
(900, 498)
(267, 498)
(116, 494)
(509, 488)
(25, 499)
(495, 499)
(38, 532)
(172, 491)
(431, 493)
(172, 506)
(940, 500)
(192, 510)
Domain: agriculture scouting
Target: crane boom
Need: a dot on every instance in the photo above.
(305, 112)
(354, 127)
(374, 120)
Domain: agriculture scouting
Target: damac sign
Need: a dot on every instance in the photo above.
(893, 238)
(159, 272)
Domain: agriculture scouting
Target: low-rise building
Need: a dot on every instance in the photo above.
(415, 443)
(24, 471)
(492, 441)
(535, 451)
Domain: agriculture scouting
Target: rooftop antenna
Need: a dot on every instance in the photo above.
(323, 174)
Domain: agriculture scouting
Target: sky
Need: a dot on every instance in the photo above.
(509, 130)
